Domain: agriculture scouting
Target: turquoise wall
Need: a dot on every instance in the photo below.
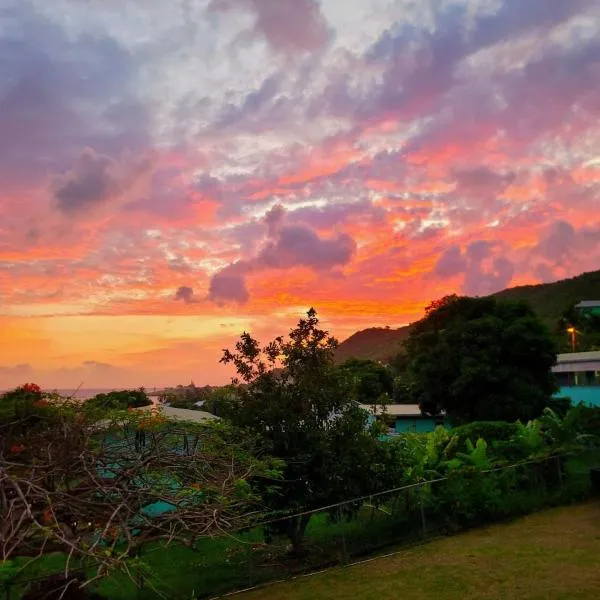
(415, 425)
(582, 393)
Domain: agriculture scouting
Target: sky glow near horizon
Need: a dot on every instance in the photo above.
(173, 173)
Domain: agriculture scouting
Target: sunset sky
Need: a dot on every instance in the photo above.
(174, 172)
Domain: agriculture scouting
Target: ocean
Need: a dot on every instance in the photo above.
(84, 393)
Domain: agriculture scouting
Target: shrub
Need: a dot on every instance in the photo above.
(587, 420)
(490, 431)
(120, 400)
(560, 406)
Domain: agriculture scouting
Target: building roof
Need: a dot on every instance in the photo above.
(183, 414)
(588, 304)
(573, 357)
(395, 410)
(577, 361)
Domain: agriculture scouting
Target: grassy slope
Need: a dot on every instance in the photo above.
(549, 300)
(549, 555)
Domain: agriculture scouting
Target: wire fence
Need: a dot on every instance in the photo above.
(348, 531)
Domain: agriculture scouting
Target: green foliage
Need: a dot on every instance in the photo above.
(188, 397)
(301, 406)
(221, 401)
(496, 431)
(586, 421)
(119, 400)
(368, 380)
(8, 570)
(479, 359)
(560, 406)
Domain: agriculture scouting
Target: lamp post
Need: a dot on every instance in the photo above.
(573, 332)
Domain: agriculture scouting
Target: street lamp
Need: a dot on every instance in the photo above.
(573, 332)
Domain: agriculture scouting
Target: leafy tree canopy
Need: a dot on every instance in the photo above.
(481, 359)
(369, 379)
(301, 405)
(120, 399)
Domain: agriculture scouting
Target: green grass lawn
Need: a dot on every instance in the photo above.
(551, 555)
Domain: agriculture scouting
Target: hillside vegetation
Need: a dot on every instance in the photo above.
(549, 300)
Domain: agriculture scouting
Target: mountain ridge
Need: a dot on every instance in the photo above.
(549, 300)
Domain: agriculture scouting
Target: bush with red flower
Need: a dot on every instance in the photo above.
(23, 401)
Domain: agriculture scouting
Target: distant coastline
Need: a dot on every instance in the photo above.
(82, 393)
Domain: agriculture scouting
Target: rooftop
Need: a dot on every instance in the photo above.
(588, 304)
(396, 410)
(183, 414)
(573, 357)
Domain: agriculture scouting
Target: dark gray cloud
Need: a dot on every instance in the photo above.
(92, 181)
(228, 286)
(335, 214)
(286, 246)
(186, 294)
(451, 263)
(274, 218)
(479, 250)
(563, 247)
(482, 280)
(483, 272)
(558, 242)
(297, 245)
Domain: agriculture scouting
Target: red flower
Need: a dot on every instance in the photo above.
(17, 448)
(32, 388)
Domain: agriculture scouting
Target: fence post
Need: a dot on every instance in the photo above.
(560, 474)
(344, 548)
(422, 509)
(140, 576)
(250, 566)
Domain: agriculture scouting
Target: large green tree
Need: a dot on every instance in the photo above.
(295, 398)
(480, 359)
(370, 380)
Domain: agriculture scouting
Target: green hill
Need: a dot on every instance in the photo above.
(549, 300)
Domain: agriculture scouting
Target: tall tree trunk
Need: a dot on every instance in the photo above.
(296, 531)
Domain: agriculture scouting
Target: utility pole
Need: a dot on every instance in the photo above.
(573, 332)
